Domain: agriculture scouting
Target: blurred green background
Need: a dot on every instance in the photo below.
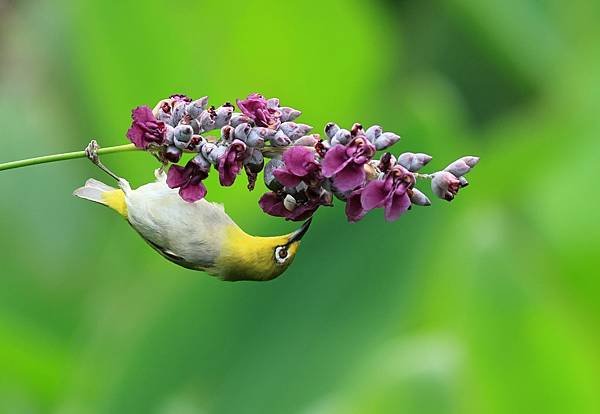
(489, 304)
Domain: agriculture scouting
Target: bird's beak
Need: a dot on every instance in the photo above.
(298, 234)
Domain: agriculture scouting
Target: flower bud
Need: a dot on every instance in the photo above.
(212, 152)
(162, 111)
(357, 129)
(237, 119)
(458, 168)
(169, 134)
(445, 185)
(373, 133)
(182, 134)
(201, 162)
(224, 113)
(227, 133)
(172, 154)
(418, 198)
(280, 139)
(342, 136)
(385, 140)
(308, 140)
(288, 114)
(270, 180)
(256, 137)
(207, 120)
(273, 103)
(195, 143)
(413, 162)
(331, 129)
(195, 108)
(177, 112)
(241, 131)
(289, 203)
(294, 130)
(463, 182)
(255, 161)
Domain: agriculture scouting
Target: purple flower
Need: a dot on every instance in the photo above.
(145, 129)
(391, 193)
(274, 204)
(345, 163)
(189, 179)
(300, 165)
(230, 163)
(256, 107)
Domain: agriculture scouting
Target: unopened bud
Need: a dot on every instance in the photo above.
(255, 161)
(289, 114)
(212, 152)
(256, 137)
(385, 140)
(201, 162)
(227, 133)
(195, 143)
(463, 182)
(373, 133)
(331, 129)
(242, 131)
(182, 134)
(207, 120)
(224, 113)
(342, 136)
(280, 139)
(237, 119)
(418, 198)
(289, 203)
(169, 134)
(294, 130)
(445, 185)
(270, 180)
(273, 103)
(172, 154)
(195, 108)
(413, 162)
(177, 112)
(357, 129)
(308, 140)
(458, 168)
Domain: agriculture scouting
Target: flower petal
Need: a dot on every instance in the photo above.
(396, 205)
(193, 191)
(271, 204)
(350, 177)
(286, 178)
(299, 160)
(335, 160)
(177, 176)
(374, 195)
(354, 209)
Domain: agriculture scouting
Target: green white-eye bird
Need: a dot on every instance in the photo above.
(199, 235)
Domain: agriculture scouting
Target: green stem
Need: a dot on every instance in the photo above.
(65, 156)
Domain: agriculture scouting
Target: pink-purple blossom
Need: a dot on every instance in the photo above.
(273, 204)
(345, 163)
(300, 166)
(257, 108)
(230, 163)
(389, 193)
(145, 129)
(189, 180)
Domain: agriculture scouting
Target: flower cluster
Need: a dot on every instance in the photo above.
(304, 172)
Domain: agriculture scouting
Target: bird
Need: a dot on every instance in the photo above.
(198, 236)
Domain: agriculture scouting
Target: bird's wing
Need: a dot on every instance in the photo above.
(189, 234)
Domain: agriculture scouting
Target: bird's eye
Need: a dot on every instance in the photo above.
(281, 254)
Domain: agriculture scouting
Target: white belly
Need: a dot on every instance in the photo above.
(192, 232)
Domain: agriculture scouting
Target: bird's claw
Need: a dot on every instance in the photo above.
(91, 151)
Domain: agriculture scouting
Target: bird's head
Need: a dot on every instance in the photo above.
(246, 257)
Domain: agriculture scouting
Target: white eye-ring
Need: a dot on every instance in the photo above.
(281, 254)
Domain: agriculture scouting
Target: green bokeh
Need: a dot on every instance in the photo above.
(490, 304)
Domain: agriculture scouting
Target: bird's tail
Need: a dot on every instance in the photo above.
(101, 193)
